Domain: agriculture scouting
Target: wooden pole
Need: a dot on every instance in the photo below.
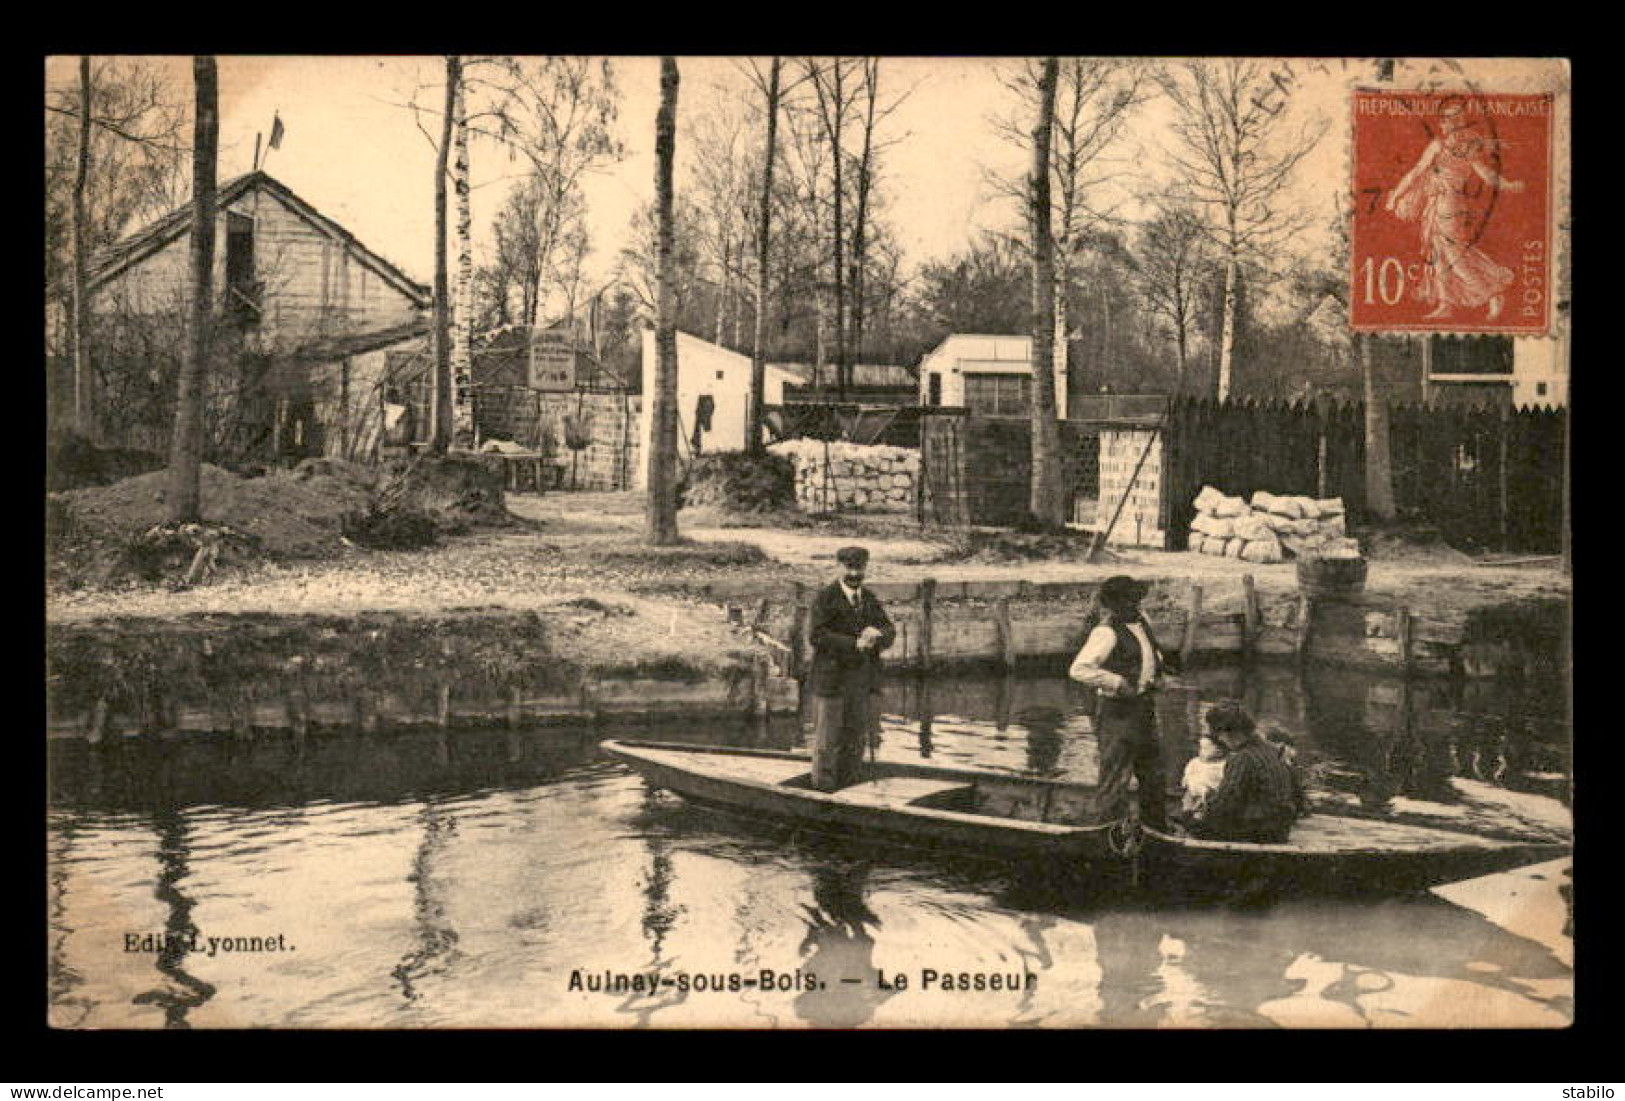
(798, 631)
(928, 599)
(1306, 611)
(1100, 536)
(1251, 613)
(1407, 631)
(1193, 621)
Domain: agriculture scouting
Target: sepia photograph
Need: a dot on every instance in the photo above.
(807, 542)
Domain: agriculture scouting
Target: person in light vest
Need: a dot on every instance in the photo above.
(1122, 661)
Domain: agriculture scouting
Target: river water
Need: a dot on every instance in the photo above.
(519, 880)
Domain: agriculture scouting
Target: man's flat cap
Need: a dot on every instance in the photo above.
(852, 556)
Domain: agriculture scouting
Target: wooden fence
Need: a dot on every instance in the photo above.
(1487, 478)
(978, 470)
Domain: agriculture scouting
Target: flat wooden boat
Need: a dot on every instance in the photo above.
(966, 812)
(961, 811)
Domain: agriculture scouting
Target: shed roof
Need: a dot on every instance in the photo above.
(150, 239)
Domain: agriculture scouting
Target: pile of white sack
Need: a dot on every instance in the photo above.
(1270, 527)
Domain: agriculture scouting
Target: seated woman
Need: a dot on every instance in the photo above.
(1259, 797)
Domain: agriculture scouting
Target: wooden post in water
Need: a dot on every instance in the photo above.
(1306, 612)
(798, 631)
(1193, 622)
(98, 721)
(928, 600)
(1407, 630)
(1252, 616)
(1007, 642)
(516, 706)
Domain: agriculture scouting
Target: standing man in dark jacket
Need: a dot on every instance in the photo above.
(1122, 661)
(849, 630)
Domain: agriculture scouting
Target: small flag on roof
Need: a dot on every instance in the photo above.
(276, 131)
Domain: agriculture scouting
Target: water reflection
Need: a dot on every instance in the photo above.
(839, 949)
(183, 992)
(497, 863)
(435, 940)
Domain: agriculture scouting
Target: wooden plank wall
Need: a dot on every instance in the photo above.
(1486, 478)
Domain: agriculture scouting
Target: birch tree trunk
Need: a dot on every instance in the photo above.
(83, 415)
(758, 356)
(440, 405)
(186, 447)
(662, 503)
(1227, 328)
(1061, 353)
(462, 337)
(1379, 467)
(1045, 502)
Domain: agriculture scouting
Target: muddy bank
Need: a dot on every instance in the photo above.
(373, 671)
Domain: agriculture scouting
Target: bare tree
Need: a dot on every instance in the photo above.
(82, 421)
(440, 405)
(662, 488)
(462, 321)
(764, 231)
(555, 114)
(113, 153)
(1095, 98)
(186, 449)
(835, 84)
(1046, 501)
(1171, 263)
(1234, 163)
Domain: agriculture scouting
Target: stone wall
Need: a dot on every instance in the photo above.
(872, 478)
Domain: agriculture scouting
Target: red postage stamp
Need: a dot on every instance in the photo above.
(1452, 223)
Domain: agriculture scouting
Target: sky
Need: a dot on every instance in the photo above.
(351, 148)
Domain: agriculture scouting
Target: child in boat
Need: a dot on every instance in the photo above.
(1202, 776)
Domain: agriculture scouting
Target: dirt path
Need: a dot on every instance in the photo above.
(1443, 581)
(589, 545)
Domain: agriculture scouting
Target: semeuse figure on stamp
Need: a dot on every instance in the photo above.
(1259, 796)
(849, 631)
(1448, 194)
(1123, 662)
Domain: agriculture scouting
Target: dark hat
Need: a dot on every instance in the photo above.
(855, 557)
(1122, 589)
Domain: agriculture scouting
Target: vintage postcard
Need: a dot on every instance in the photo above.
(808, 542)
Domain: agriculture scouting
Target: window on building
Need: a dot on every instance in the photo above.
(242, 289)
(933, 389)
(999, 395)
(1540, 389)
(1484, 355)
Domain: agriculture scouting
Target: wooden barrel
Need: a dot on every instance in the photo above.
(1331, 578)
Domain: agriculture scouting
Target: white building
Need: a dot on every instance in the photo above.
(1533, 371)
(705, 371)
(990, 375)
